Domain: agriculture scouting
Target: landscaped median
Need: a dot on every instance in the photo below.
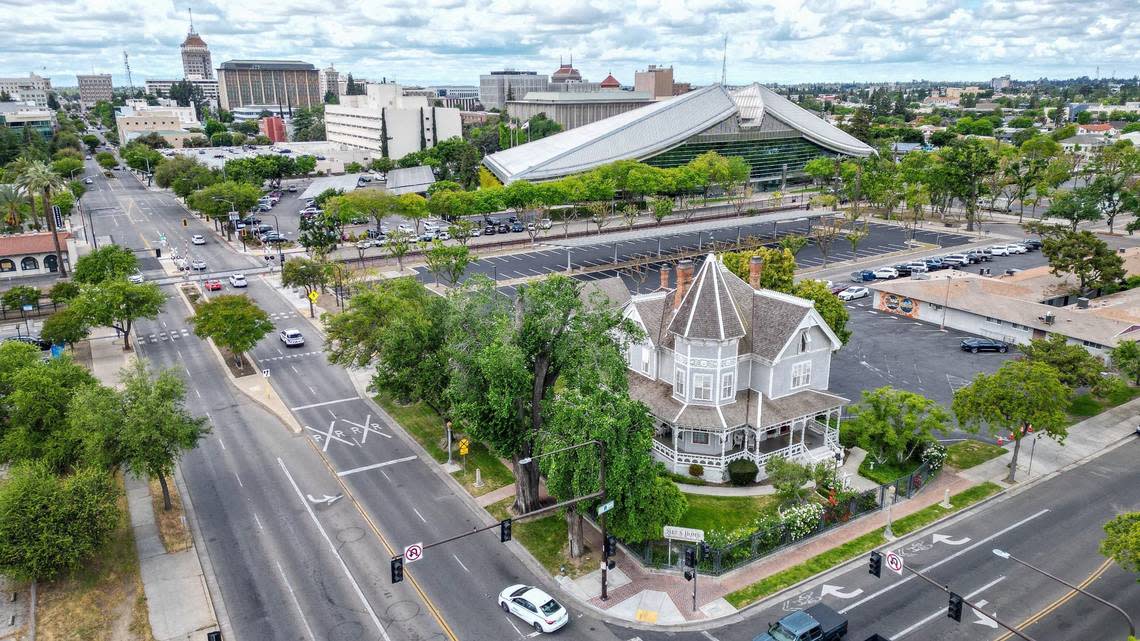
(426, 426)
(853, 548)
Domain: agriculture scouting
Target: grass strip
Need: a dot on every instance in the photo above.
(853, 548)
(970, 453)
(546, 539)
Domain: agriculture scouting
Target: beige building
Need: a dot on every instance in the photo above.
(572, 109)
(409, 123)
(31, 89)
(656, 81)
(288, 83)
(95, 87)
(329, 81)
(169, 122)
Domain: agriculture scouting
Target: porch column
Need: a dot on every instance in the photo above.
(791, 433)
(723, 440)
(803, 434)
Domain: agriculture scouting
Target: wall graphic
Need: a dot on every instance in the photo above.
(895, 304)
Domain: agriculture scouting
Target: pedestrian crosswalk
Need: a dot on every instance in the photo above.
(289, 356)
(171, 335)
(276, 316)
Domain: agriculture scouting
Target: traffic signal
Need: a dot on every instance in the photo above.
(504, 530)
(954, 611)
(397, 569)
(689, 574)
(876, 567)
(184, 223)
(610, 564)
(609, 546)
(706, 550)
(157, 252)
(690, 557)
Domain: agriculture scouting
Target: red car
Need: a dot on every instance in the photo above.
(213, 285)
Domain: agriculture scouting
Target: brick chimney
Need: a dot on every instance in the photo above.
(755, 265)
(664, 277)
(684, 276)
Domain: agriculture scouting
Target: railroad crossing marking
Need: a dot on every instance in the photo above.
(366, 427)
(329, 436)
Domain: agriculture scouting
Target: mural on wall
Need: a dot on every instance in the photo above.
(895, 304)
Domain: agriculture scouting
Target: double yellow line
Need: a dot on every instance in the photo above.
(1047, 610)
(391, 551)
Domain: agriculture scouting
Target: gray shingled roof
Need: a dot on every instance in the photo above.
(770, 317)
(606, 292)
(708, 310)
(655, 314)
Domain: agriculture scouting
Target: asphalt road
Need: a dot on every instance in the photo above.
(1055, 525)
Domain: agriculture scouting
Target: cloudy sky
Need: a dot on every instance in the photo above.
(453, 41)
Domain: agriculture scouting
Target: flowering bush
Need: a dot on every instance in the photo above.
(934, 455)
(802, 519)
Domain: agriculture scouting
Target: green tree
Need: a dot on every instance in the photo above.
(67, 166)
(398, 244)
(1019, 396)
(967, 162)
(370, 203)
(448, 262)
(109, 262)
(38, 178)
(1126, 358)
(413, 207)
(20, 295)
(118, 304)
(833, 311)
(35, 408)
(508, 358)
(1075, 366)
(1027, 169)
(1076, 206)
(91, 141)
(660, 209)
(893, 425)
(306, 273)
(1085, 256)
(788, 478)
(400, 327)
(234, 322)
(53, 525)
(63, 292)
(1122, 541)
(216, 201)
(12, 200)
(793, 243)
(65, 327)
(644, 501)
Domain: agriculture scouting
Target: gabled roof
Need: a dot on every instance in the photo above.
(638, 133)
(758, 102)
(610, 81)
(708, 310)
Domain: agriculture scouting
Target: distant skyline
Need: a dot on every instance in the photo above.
(452, 42)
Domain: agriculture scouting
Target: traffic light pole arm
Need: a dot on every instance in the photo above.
(964, 600)
(1131, 625)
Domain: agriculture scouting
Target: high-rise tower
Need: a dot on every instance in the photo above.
(196, 62)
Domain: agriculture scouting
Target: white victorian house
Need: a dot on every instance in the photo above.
(731, 371)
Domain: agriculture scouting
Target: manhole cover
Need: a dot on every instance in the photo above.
(403, 610)
(348, 535)
(347, 631)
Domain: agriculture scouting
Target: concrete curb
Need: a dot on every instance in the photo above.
(205, 564)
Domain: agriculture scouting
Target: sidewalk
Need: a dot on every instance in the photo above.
(178, 601)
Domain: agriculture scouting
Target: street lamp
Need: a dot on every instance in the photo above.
(1009, 557)
(602, 486)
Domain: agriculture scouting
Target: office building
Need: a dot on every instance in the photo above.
(463, 97)
(172, 123)
(33, 89)
(196, 62)
(272, 127)
(95, 87)
(21, 115)
(656, 81)
(1000, 83)
(575, 109)
(389, 123)
(773, 135)
(289, 83)
(497, 87)
(329, 81)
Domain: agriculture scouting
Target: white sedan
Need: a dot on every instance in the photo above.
(886, 273)
(1000, 250)
(537, 608)
(852, 293)
(198, 239)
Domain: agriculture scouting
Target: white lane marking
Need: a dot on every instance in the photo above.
(197, 392)
(386, 475)
(239, 479)
(296, 603)
(460, 563)
(163, 323)
(312, 390)
(259, 525)
(946, 560)
(294, 369)
(513, 624)
(312, 405)
(332, 414)
(377, 466)
(336, 553)
(179, 354)
(708, 636)
(419, 515)
(188, 371)
(942, 612)
(222, 443)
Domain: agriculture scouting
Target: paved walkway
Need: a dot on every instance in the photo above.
(178, 600)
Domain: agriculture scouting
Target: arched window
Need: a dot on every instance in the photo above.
(29, 263)
(51, 263)
(6, 265)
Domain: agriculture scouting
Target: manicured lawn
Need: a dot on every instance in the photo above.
(546, 539)
(426, 426)
(966, 454)
(855, 547)
(1086, 405)
(724, 512)
(888, 471)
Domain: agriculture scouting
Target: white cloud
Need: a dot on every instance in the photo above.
(453, 41)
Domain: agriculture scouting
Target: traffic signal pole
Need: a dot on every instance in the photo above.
(605, 541)
(946, 589)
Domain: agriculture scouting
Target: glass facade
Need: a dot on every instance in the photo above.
(766, 155)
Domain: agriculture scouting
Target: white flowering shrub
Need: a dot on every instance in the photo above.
(934, 455)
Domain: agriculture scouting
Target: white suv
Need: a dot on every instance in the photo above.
(238, 280)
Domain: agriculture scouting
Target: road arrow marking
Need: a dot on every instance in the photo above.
(326, 499)
(942, 538)
(837, 591)
(982, 618)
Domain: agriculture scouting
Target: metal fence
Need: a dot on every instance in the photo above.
(42, 307)
(761, 543)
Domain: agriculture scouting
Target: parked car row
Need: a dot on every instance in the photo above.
(949, 261)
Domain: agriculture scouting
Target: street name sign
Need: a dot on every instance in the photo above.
(692, 535)
(605, 507)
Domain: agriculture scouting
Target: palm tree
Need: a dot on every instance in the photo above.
(37, 176)
(11, 197)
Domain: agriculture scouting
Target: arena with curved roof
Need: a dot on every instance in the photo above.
(774, 135)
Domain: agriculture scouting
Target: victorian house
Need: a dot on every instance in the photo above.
(731, 371)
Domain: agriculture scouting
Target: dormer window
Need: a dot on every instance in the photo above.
(805, 341)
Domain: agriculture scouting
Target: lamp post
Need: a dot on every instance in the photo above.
(602, 487)
(1009, 557)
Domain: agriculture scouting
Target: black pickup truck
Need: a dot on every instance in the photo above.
(817, 623)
